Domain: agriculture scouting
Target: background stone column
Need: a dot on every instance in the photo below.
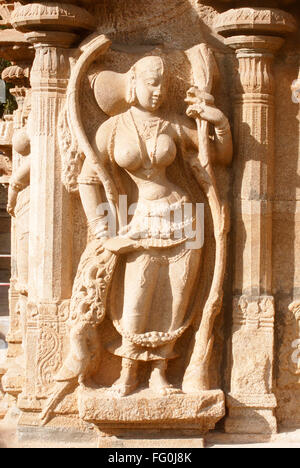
(14, 48)
(256, 35)
(52, 28)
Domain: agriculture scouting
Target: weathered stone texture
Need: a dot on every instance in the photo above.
(167, 103)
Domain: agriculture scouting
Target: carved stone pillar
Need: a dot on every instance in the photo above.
(14, 48)
(52, 28)
(256, 35)
(6, 132)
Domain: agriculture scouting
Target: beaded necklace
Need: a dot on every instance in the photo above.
(147, 132)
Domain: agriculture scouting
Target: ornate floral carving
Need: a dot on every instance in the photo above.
(256, 313)
(72, 158)
(91, 286)
(50, 321)
(49, 355)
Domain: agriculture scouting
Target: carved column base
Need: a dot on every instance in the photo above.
(251, 414)
(251, 401)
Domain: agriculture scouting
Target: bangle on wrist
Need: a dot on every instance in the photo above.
(223, 129)
(17, 186)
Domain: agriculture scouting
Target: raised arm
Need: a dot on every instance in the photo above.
(202, 106)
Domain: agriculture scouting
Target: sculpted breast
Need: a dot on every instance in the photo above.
(165, 151)
(127, 155)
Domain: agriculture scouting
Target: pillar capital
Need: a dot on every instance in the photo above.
(255, 21)
(55, 23)
(256, 34)
(259, 45)
(60, 39)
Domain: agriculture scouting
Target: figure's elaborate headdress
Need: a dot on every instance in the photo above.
(115, 92)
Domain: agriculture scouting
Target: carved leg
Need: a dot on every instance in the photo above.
(158, 381)
(140, 281)
(181, 276)
(128, 381)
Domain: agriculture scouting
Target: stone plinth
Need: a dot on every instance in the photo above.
(199, 412)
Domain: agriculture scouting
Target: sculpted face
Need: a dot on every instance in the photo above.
(150, 83)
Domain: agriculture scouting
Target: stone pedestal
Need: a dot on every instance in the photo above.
(144, 412)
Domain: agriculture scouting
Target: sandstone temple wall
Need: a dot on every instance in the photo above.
(228, 77)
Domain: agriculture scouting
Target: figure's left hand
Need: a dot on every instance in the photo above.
(201, 105)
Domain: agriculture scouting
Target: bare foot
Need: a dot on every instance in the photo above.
(169, 390)
(120, 389)
(159, 384)
(127, 382)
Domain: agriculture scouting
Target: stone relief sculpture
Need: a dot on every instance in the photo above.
(144, 275)
(21, 177)
(18, 207)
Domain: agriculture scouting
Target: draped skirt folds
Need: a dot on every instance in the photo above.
(150, 301)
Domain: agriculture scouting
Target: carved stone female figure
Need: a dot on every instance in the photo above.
(154, 270)
(160, 271)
